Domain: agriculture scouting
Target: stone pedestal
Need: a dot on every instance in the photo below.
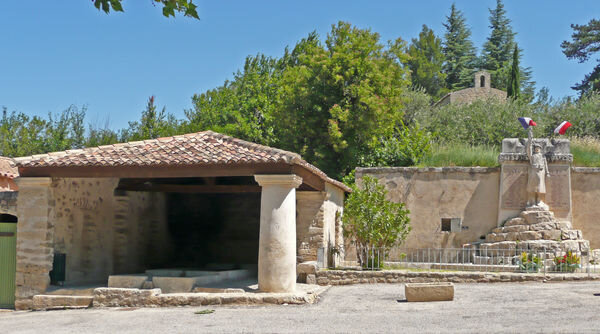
(35, 238)
(513, 177)
(277, 243)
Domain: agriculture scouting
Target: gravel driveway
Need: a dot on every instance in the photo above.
(572, 307)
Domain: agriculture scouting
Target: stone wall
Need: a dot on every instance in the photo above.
(431, 194)
(347, 277)
(35, 234)
(585, 193)
(318, 223)
(470, 95)
(472, 194)
(103, 234)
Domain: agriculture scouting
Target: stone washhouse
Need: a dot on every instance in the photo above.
(201, 201)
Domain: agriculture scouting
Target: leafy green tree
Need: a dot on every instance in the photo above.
(514, 81)
(498, 51)
(426, 61)
(371, 221)
(459, 52)
(339, 98)
(242, 108)
(585, 42)
(186, 7)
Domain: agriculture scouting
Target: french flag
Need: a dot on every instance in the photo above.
(562, 128)
(526, 122)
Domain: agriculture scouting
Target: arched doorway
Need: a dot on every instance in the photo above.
(8, 259)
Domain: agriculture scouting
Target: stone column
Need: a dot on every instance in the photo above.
(277, 243)
(35, 238)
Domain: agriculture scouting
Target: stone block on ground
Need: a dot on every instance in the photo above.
(174, 284)
(429, 292)
(60, 302)
(127, 281)
(309, 267)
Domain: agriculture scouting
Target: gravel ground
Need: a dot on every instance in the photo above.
(572, 307)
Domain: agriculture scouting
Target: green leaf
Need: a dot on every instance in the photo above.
(116, 5)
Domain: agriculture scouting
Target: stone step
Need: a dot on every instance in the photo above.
(532, 217)
(61, 302)
(571, 234)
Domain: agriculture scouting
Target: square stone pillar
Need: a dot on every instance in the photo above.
(35, 238)
(277, 241)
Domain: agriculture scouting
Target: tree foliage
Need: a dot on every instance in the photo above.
(585, 42)
(169, 7)
(426, 61)
(243, 107)
(459, 52)
(513, 89)
(341, 97)
(370, 220)
(498, 52)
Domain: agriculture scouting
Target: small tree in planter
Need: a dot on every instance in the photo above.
(372, 221)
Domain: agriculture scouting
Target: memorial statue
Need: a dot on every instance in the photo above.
(538, 171)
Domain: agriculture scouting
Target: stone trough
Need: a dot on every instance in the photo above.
(178, 280)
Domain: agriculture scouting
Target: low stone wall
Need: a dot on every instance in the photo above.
(346, 277)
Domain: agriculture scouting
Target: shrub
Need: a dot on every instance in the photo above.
(372, 221)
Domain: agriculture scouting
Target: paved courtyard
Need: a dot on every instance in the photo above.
(502, 307)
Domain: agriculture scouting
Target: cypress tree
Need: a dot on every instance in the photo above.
(459, 51)
(513, 90)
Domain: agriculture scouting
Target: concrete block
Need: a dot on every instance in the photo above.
(429, 292)
(127, 281)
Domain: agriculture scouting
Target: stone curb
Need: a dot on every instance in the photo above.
(118, 297)
(346, 277)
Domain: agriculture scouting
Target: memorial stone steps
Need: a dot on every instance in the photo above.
(535, 230)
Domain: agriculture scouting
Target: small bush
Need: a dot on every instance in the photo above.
(586, 151)
(373, 222)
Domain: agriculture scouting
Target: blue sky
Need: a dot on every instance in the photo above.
(57, 53)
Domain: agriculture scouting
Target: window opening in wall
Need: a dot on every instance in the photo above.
(446, 224)
(482, 81)
(451, 225)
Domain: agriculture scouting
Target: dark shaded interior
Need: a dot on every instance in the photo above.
(6, 218)
(209, 229)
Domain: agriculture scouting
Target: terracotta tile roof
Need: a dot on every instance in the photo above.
(201, 148)
(8, 168)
